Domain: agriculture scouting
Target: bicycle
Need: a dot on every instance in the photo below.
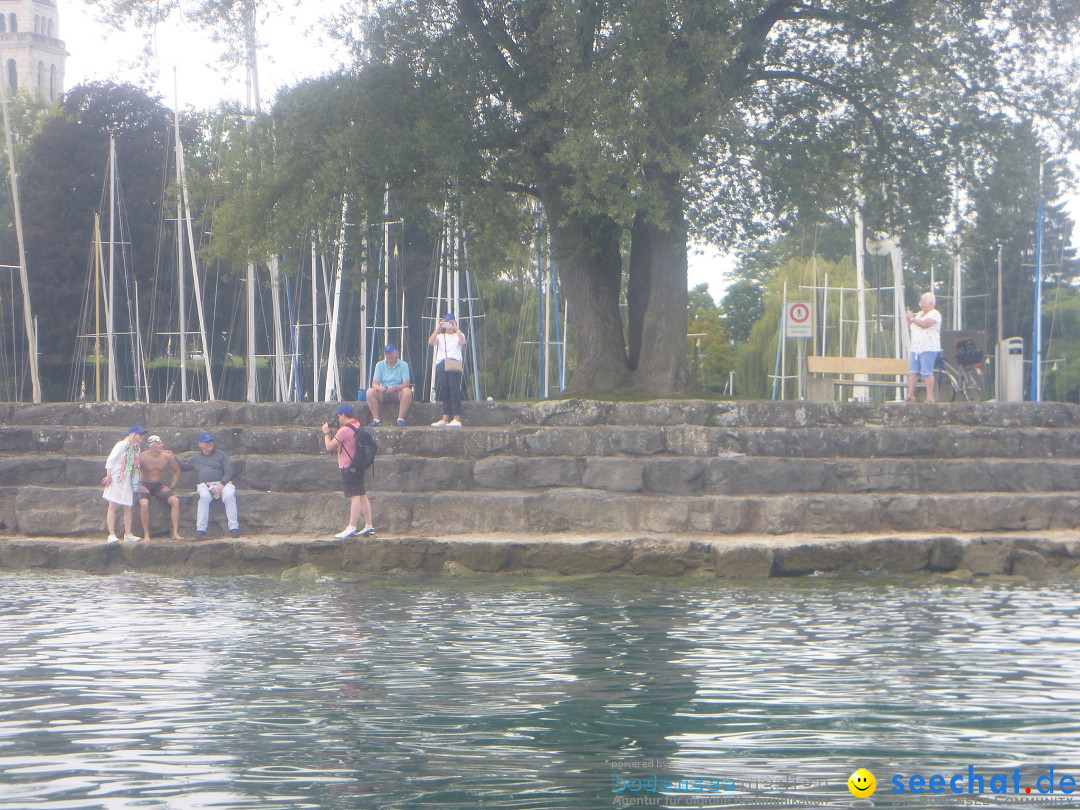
(967, 380)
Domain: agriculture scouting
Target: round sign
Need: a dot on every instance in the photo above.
(800, 313)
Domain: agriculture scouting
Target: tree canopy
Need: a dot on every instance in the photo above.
(639, 123)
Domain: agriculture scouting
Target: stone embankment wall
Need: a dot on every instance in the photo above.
(575, 487)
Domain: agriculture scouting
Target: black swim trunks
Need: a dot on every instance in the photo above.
(157, 489)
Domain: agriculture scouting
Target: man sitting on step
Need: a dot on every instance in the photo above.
(389, 383)
(215, 481)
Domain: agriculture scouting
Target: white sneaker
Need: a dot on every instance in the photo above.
(348, 531)
(454, 423)
(130, 538)
(367, 532)
(113, 539)
(440, 423)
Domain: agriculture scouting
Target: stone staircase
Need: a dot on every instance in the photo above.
(965, 485)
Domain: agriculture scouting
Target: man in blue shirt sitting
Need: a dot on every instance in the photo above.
(391, 382)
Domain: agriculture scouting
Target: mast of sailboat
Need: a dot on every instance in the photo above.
(1036, 338)
(97, 305)
(332, 390)
(386, 265)
(110, 331)
(253, 107)
(315, 323)
(28, 316)
(196, 283)
(182, 327)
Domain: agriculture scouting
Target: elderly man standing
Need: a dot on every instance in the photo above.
(389, 383)
(215, 481)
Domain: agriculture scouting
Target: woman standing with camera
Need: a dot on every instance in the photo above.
(449, 345)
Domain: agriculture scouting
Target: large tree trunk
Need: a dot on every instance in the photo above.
(586, 252)
(656, 298)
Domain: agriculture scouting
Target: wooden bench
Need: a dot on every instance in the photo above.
(820, 388)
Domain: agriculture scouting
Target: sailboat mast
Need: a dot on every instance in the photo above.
(24, 280)
(333, 374)
(97, 306)
(196, 285)
(1036, 338)
(110, 340)
(253, 103)
(182, 328)
(314, 323)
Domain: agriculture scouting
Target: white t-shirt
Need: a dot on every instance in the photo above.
(928, 338)
(448, 346)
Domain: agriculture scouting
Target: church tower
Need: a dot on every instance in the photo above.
(31, 52)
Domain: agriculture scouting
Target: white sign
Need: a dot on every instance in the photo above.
(798, 323)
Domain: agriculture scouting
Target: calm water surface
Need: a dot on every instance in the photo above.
(150, 692)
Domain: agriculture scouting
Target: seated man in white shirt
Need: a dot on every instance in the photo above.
(390, 383)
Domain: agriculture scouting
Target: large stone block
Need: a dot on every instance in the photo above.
(572, 558)
(614, 474)
(499, 472)
(669, 557)
(742, 561)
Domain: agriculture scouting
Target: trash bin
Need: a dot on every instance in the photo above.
(1010, 370)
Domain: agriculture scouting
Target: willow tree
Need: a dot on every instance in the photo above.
(640, 123)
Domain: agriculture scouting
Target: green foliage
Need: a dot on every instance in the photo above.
(636, 121)
(63, 176)
(757, 356)
(710, 355)
(1061, 355)
(741, 308)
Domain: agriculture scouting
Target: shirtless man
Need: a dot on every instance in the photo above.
(152, 464)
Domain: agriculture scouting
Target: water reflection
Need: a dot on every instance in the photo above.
(140, 691)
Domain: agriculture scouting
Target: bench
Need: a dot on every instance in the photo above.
(820, 388)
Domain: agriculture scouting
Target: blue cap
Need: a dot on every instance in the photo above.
(449, 316)
(346, 409)
(206, 437)
(390, 347)
(136, 429)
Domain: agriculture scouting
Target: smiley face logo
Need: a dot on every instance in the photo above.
(862, 783)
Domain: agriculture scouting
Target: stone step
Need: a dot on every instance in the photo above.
(54, 511)
(942, 442)
(568, 412)
(663, 474)
(959, 557)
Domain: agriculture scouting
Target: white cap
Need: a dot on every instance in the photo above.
(152, 440)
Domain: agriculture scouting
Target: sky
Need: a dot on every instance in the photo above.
(293, 48)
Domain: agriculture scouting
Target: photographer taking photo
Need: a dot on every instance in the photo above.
(344, 439)
(449, 345)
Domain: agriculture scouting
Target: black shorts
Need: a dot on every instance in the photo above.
(352, 482)
(157, 489)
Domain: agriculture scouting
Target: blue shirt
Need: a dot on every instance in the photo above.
(392, 376)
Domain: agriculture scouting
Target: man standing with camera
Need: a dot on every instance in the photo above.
(449, 345)
(390, 382)
(343, 437)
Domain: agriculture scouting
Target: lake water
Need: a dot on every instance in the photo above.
(151, 692)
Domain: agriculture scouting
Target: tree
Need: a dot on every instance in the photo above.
(741, 308)
(639, 123)
(710, 355)
(63, 177)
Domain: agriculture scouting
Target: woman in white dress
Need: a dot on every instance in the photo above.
(122, 480)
